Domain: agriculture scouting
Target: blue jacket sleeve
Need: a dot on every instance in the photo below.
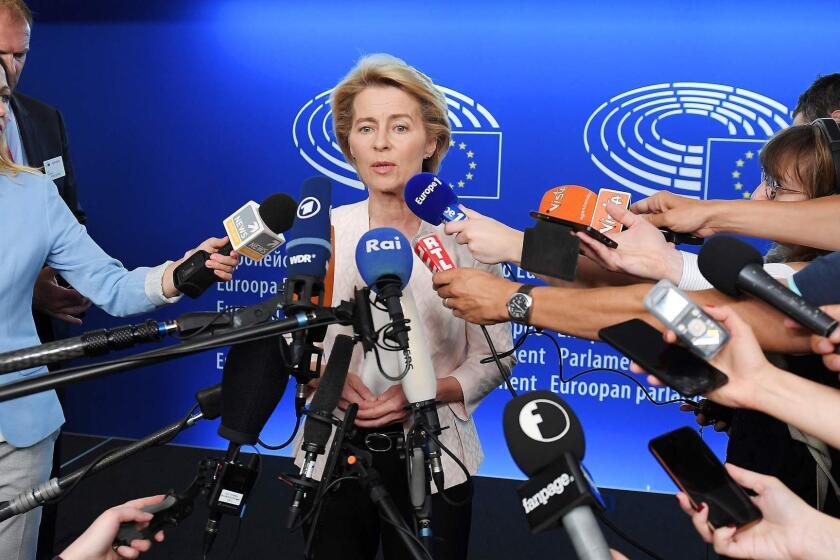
(86, 266)
(819, 282)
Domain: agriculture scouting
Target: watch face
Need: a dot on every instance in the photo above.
(518, 306)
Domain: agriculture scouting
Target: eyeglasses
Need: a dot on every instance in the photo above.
(772, 186)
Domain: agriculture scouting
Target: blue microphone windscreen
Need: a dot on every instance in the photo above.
(431, 199)
(308, 249)
(384, 252)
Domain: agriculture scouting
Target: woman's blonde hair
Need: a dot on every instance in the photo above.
(387, 70)
(7, 166)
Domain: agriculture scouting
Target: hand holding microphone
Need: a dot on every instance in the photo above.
(826, 346)
(215, 260)
(254, 230)
(489, 241)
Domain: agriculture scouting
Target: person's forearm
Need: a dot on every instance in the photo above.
(583, 313)
(591, 275)
(449, 390)
(820, 538)
(810, 406)
(812, 223)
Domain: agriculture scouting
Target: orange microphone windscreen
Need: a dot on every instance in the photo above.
(572, 203)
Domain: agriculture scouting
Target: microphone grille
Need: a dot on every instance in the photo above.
(329, 390)
(721, 260)
(253, 381)
(539, 428)
(278, 212)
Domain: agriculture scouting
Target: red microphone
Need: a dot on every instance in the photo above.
(432, 253)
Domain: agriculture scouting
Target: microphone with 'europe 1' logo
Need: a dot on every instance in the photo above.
(546, 441)
(385, 261)
(255, 230)
(432, 200)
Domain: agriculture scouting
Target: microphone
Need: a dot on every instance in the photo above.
(210, 403)
(432, 200)
(384, 260)
(102, 341)
(253, 381)
(318, 426)
(546, 441)
(430, 250)
(734, 266)
(89, 344)
(255, 230)
(308, 254)
(420, 388)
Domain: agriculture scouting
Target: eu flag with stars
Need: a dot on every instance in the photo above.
(473, 164)
(734, 169)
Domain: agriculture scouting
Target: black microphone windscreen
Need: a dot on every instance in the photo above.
(539, 429)
(253, 382)
(278, 212)
(721, 260)
(329, 391)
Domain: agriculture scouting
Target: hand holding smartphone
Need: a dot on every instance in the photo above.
(697, 472)
(673, 365)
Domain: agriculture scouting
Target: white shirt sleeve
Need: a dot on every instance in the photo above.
(154, 286)
(692, 280)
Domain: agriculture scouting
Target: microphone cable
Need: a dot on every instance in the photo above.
(451, 502)
(382, 334)
(286, 443)
(540, 332)
(242, 516)
(626, 538)
(87, 470)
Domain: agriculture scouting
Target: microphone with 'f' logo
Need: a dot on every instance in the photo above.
(545, 439)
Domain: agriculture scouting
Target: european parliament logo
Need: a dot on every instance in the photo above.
(696, 139)
(472, 166)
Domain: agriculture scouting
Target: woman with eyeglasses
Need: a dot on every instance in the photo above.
(797, 165)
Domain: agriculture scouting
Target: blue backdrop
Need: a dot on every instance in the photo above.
(179, 115)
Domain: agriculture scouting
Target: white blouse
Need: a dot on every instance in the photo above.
(456, 346)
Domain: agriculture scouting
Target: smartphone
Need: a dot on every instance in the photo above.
(678, 238)
(697, 472)
(589, 230)
(675, 366)
(703, 335)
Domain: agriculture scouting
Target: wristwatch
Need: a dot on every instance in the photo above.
(519, 304)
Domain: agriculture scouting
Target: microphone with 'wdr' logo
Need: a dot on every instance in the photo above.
(546, 441)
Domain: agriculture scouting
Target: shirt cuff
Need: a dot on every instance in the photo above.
(791, 284)
(154, 286)
(692, 280)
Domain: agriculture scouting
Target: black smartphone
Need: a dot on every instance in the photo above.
(675, 366)
(678, 238)
(589, 230)
(697, 472)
